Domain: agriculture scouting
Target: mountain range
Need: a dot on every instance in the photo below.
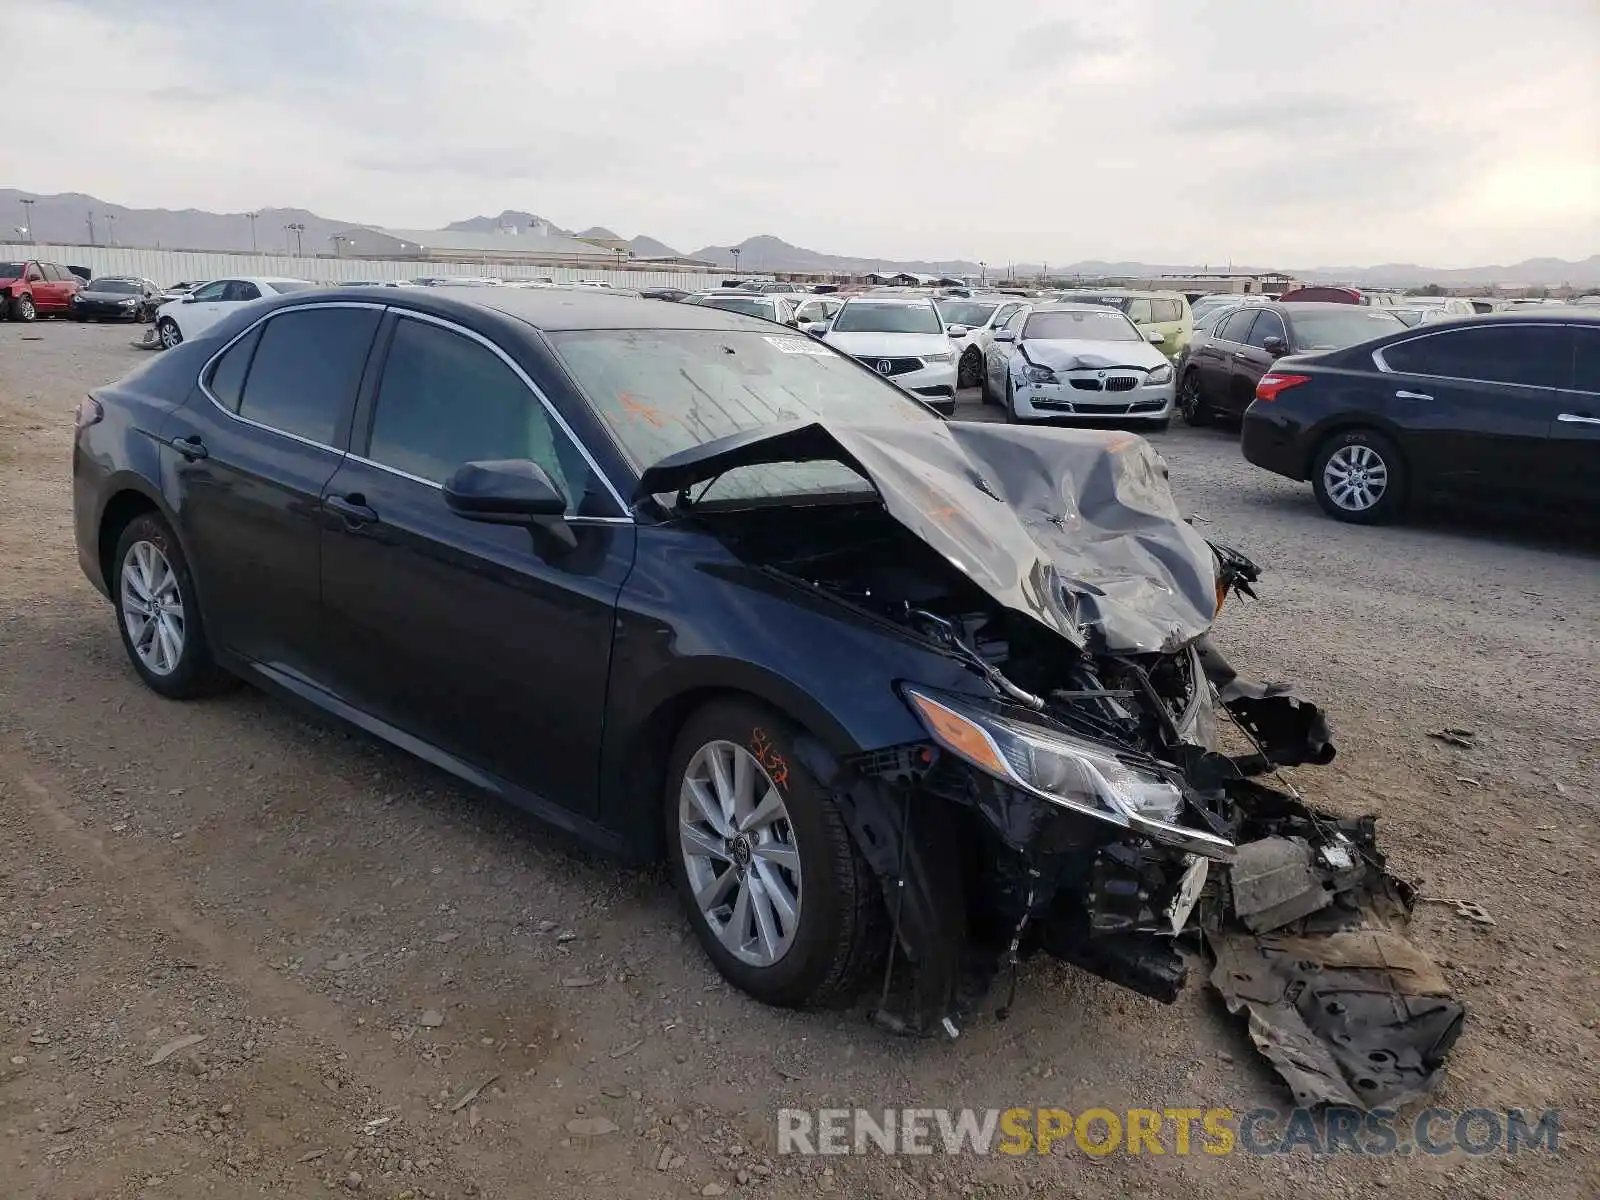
(75, 219)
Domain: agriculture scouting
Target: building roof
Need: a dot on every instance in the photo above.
(524, 241)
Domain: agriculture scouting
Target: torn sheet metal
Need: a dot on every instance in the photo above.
(1075, 528)
(1313, 949)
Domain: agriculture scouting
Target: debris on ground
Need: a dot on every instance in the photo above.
(1464, 738)
(172, 1047)
(471, 1094)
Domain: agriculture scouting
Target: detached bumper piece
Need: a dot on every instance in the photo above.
(1311, 947)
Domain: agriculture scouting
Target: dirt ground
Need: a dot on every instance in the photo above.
(401, 990)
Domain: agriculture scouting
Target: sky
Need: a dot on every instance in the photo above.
(1290, 133)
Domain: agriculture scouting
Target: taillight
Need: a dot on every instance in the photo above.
(87, 413)
(1273, 384)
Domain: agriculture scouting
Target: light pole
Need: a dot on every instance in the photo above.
(298, 229)
(27, 218)
(734, 250)
(111, 228)
(251, 217)
(983, 272)
(90, 217)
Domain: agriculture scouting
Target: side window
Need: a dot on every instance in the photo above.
(1018, 320)
(1586, 359)
(1237, 327)
(1007, 311)
(1139, 311)
(213, 291)
(1535, 355)
(1268, 324)
(227, 377)
(34, 275)
(240, 290)
(446, 400)
(52, 273)
(1165, 310)
(307, 366)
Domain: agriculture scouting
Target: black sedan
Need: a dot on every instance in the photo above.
(119, 298)
(1500, 409)
(670, 294)
(689, 585)
(1225, 362)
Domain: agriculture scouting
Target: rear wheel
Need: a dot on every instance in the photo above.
(1011, 401)
(22, 308)
(158, 613)
(1359, 476)
(168, 332)
(1191, 401)
(777, 892)
(970, 370)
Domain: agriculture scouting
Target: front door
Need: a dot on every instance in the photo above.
(245, 462)
(489, 642)
(1214, 360)
(1251, 360)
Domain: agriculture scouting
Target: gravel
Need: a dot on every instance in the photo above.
(299, 923)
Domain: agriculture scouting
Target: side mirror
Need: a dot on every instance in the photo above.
(1005, 335)
(189, 299)
(957, 330)
(1154, 336)
(815, 328)
(1275, 345)
(503, 492)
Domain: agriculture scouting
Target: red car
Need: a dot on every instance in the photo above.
(30, 289)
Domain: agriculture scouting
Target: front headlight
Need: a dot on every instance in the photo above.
(1162, 374)
(1037, 374)
(938, 358)
(129, 302)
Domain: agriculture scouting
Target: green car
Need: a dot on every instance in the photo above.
(1166, 313)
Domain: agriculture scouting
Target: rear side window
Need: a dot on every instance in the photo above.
(307, 366)
(54, 273)
(1139, 311)
(1237, 327)
(1165, 310)
(227, 377)
(1586, 359)
(446, 400)
(1535, 355)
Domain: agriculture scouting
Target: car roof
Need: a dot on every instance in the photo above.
(557, 309)
(1073, 306)
(892, 301)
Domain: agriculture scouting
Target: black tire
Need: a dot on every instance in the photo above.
(842, 935)
(168, 333)
(1011, 403)
(1191, 403)
(970, 369)
(196, 672)
(22, 309)
(1372, 450)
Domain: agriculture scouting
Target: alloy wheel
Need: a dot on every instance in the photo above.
(25, 309)
(1355, 477)
(739, 851)
(152, 608)
(1189, 397)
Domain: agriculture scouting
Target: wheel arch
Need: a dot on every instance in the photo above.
(127, 497)
(1348, 423)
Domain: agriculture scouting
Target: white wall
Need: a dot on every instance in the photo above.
(170, 266)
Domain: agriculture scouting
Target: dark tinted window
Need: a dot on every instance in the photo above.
(242, 290)
(1237, 327)
(446, 400)
(306, 370)
(1527, 354)
(54, 273)
(1268, 324)
(1586, 359)
(125, 287)
(227, 377)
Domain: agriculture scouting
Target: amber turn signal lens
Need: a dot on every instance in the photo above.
(960, 735)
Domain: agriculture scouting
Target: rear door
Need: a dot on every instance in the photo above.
(245, 462)
(1575, 433)
(54, 293)
(489, 642)
(1214, 360)
(1478, 403)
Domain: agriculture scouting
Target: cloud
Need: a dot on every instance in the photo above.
(1249, 130)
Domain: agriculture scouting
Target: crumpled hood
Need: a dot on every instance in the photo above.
(888, 345)
(1093, 356)
(1075, 528)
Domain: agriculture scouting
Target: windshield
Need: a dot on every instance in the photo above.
(1334, 329)
(750, 306)
(126, 286)
(887, 318)
(288, 285)
(660, 391)
(970, 314)
(1080, 327)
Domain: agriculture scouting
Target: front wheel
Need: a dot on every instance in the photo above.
(168, 332)
(1191, 404)
(970, 369)
(1359, 476)
(22, 309)
(778, 894)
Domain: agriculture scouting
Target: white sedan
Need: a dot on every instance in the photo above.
(980, 316)
(189, 316)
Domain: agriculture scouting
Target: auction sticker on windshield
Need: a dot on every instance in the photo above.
(799, 345)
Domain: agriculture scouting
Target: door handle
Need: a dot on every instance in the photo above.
(353, 508)
(1578, 419)
(1404, 395)
(191, 447)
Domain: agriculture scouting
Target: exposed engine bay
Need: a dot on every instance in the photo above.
(1085, 807)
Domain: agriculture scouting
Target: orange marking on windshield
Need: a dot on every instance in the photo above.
(643, 412)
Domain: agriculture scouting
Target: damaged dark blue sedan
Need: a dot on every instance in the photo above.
(897, 699)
